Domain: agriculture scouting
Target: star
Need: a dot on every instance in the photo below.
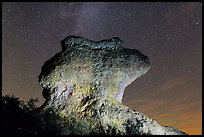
(170, 34)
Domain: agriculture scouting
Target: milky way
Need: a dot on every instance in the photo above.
(170, 34)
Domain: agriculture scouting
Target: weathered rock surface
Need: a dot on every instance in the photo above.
(85, 83)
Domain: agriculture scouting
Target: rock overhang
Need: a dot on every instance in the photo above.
(85, 82)
(91, 60)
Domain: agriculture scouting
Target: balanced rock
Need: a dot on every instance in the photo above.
(85, 83)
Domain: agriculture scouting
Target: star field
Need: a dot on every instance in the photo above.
(170, 34)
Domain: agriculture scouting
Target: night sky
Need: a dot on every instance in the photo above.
(168, 33)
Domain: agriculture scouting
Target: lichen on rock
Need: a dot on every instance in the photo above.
(85, 82)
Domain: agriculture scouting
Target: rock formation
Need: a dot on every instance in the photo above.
(85, 83)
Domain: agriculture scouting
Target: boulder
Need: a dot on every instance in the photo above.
(85, 83)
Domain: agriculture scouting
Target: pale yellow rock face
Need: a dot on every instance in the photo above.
(85, 83)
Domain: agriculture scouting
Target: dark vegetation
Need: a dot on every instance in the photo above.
(24, 118)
